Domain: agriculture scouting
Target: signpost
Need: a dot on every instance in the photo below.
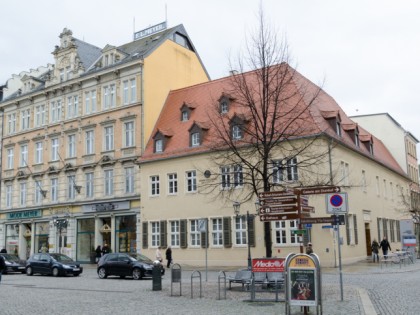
(318, 190)
(279, 217)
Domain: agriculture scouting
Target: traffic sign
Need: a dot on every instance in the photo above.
(318, 190)
(336, 203)
(279, 217)
(319, 220)
(278, 209)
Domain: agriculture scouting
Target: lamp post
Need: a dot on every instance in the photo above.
(60, 224)
(249, 218)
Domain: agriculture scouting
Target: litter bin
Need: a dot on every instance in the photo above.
(157, 276)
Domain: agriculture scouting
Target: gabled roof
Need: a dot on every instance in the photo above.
(206, 95)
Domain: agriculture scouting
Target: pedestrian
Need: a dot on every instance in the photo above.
(105, 249)
(168, 255)
(309, 249)
(385, 246)
(158, 255)
(3, 251)
(2, 265)
(98, 252)
(44, 248)
(375, 251)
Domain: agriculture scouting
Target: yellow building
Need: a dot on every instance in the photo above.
(72, 133)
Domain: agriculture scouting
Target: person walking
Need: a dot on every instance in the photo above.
(158, 255)
(98, 252)
(2, 265)
(385, 246)
(105, 249)
(375, 251)
(168, 255)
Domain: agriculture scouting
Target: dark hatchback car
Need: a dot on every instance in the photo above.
(13, 263)
(124, 265)
(52, 264)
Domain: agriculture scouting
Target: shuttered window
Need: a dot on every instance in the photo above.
(227, 232)
(163, 234)
(184, 233)
(145, 226)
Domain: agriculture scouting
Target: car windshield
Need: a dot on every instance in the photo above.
(9, 257)
(142, 258)
(61, 258)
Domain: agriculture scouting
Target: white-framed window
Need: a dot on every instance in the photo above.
(231, 176)
(22, 194)
(54, 189)
(125, 92)
(364, 183)
(159, 145)
(224, 106)
(25, 116)
(129, 180)
(109, 182)
(195, 139)
(285, 170)
(175, 233)
(240, 230)
(154, 185)
(23, 155)
(90, 102)
(109, 138)
(133, 94)
(71, 140)
(292, 169)
(68, 73)
(172, 183)
(237, 133)
(350, 229)
(71, 189)
(11, 123)
(61, 75)
(225, 177)
(217, 232)
(191, 177)
(10, 158)
(54, 149)
(90, 141)
(129, 134)
(89, 184)
(72, 106)
(278, 172)
(195, 239)
(184, 115)
(9, 195)
(39, 115)
(39, 152)
(38, 192)
(109, 96)
(283, 232)
(55, 111)
(129, 91)
(155, 234)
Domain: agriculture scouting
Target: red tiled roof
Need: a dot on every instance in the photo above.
(205, 99)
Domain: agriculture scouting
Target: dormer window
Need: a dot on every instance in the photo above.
(158, 145)
(338, 126)
(186, 110)
(237, 127)
(195, 139)
(197, 132)
(184, 116)
(356, 138)
(237, 132)
(160, 139)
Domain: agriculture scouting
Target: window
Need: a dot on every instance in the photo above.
(356, 138)
(283, 170)
(133, 95)
(90, 142)
(109, 182)
(237, 132)
(344, 169)
(11, 123)
(39, 115)
(224, 105)
(68, 73)
(175, 233)
(195, 139)
(39, 152)
(278, 171)
(129, 91)
(338, 127)
(90, 102)
(194, 234)
(129, 180)
(158, 145)
(72, 106)
(54, 189)
(22, 195)
(292, 173)
(71, 190)
(231, 176)
(71, 139)
(61, 75)
(109, 96)
(9, 195)
(129, 134)
(38, 192)
(154, 185)
(385, 190)
(191, 181)
(155, 234)
(351, 229)
(184, 115)
(172, 184)
(89, 184)
(391, 188)
(55, 111)
(25, 118)
(284, 234)
(10, 158)
(23, 155)
(240, 230)
(109, 138)
(225, 176)
(217, 232)
(54, 149)
(378, 192)
(364, 184)
(125, 92)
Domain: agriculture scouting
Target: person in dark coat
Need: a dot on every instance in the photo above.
(105, 249)
(385, 246)
(309, 249)
(168, 255)
(98, 252)
(375, 251)
(3, 250)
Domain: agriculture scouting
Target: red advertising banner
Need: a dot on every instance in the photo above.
(268, 265)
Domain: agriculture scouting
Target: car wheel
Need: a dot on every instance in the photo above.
(55, 272)
(29, 271)
(137, 274)
(102, 273)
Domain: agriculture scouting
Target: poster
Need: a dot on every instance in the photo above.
(302, 287)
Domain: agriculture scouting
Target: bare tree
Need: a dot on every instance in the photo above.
(269, 132)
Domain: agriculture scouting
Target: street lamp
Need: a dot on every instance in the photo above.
(60, 224)
(249, 218)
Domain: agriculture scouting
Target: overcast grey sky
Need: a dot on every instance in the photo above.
(367, 51)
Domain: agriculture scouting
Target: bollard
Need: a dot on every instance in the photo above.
(157, 276)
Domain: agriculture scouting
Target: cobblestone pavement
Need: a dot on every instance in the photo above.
(391, 290)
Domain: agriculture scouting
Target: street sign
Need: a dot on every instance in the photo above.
(279, 217)
(278, 209)
(318, 190)
(274, 194)
(279, 201)
(319, 220)
(336, 203)
(308, 209)
(301, 232)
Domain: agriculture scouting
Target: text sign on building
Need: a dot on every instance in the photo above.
(318, 190)
(150, 30)
(318, 220)
(336, 203)
(268, 265)
(24, 214)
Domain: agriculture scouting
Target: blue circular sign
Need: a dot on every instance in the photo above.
(336, 200)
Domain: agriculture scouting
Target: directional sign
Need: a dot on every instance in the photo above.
(308, 209)
(278, 209)
(279, 217)
(318, 190)
(274, 194)
(319, 220)
(279, 201)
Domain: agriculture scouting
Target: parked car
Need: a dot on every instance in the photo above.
(124, 265)
(13, 263)
(52, 264)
